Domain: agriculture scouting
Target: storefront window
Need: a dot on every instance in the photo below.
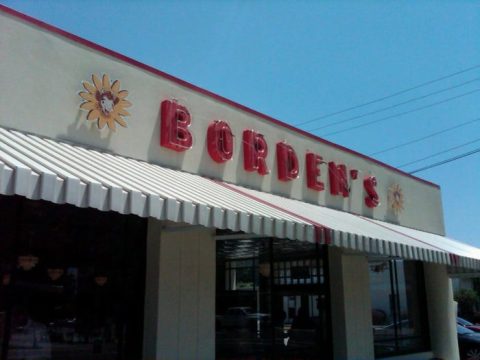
(398, 307)
(73, 282)
(271, 300)
(240, 274)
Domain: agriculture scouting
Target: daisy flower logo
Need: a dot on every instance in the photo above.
(105, 102)
(395, 199)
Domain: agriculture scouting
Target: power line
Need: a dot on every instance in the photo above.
(395, 105)
(424, 137)
(440, 152)
(403, 113)
(446, 161)
(388, 96)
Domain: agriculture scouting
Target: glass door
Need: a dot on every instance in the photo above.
(272, 300)
(299, 296)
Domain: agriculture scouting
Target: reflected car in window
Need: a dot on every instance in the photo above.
(388, 338)
(468, 324)
(468, 343)
(402, 327)
(242, 317)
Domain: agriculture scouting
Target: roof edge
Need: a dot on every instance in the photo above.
(131, 61)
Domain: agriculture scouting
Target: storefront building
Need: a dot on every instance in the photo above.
(145, 218)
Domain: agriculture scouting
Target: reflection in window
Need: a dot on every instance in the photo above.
(398, 307)
(271, 300)
(240, 274)
(302, 271)
(72, 282)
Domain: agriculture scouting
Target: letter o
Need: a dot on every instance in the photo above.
(220, 141)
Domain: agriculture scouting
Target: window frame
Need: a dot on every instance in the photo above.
(394, 288)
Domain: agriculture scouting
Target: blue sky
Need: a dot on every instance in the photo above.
(299, 60)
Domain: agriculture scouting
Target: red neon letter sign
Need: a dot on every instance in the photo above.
(312, 162)
(287, 162)
(255, 151)
(175, 120)
(220, 141)
(372, 199)
(338, 179)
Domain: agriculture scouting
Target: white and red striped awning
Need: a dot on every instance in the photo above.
(40, 168)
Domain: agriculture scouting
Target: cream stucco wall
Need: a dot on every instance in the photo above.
(42, 74)
(351, 306)
(180, 292)
(441, 312)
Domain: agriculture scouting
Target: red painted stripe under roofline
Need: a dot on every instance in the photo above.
(190, 86)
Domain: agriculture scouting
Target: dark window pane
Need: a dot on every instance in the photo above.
(276, 305)
(73, 282)
(398, 307)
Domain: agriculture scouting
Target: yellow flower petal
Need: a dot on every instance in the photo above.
(125, 103)
(122, 94)
(93, 114)
(89, 87)
(106, 82)
(115, 87)
(123, 112)
(97, 82)
(101, 122)
(88, 96)
(88, 105)
(119, 120)
(111, 124)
